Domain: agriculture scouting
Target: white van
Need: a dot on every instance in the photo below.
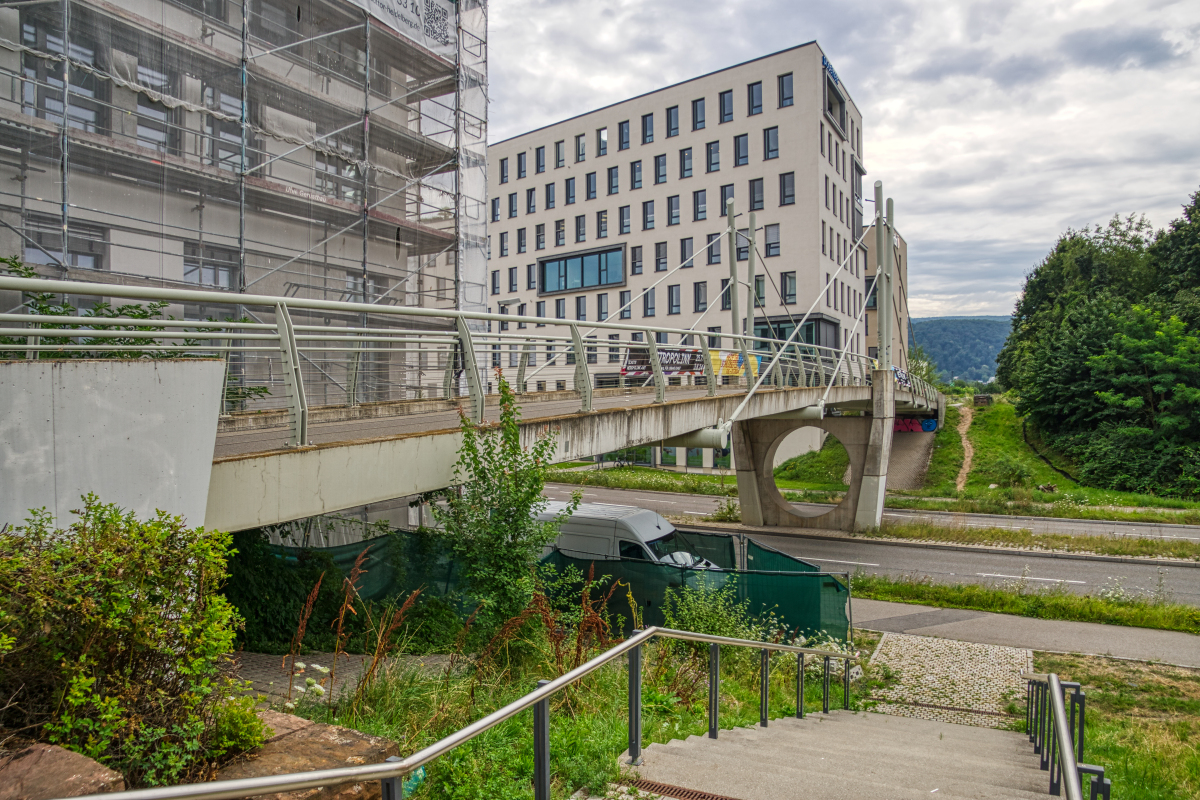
(608, 532)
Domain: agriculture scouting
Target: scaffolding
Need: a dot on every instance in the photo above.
(313, 149)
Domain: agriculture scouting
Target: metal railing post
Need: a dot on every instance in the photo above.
(293, 381)
(825, 689)
(709, 373)
(846, 684)
(714, 688)
(1079, 730)
(764, 685)
(660, 381)
(583, 381)
(522, 365)
(474, 384)
(391, 788)
(352, 376)
(541, 747)
(800, 686)
(635, 704)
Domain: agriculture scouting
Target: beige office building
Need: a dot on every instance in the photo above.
(900, 314)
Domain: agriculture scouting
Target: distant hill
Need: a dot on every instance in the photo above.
(962, 347)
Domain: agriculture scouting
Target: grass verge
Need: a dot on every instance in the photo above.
(1113, 607)
(1143, 723)
(947, 457)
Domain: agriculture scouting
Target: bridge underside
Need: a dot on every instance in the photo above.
(266, 488)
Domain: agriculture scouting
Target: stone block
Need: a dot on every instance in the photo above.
(45, 771)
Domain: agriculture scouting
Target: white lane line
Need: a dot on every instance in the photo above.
(835, 561)
(1026, 578)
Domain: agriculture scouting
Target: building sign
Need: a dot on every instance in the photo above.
(433, 24)
(832, 72)
(675, 361)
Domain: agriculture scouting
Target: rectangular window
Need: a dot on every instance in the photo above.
(560, 308)
(647, 128)
(549, 196)
(756, 194)
(601, 224)
(504, 170)
(712, 156)
(726, 300)
(602, 142)
(660, 169)
(726, 196)
(672, 121)
(531, 277)
(827, 191)
(754, 98)
(581, 309)
(512, 278)
(570, 184)
(714, 250)
(521, 310)
(785, 90)
(614, 180)
(725, 106)
(741, 150)
(512, 205)
(660, 256)
(673, 299)
(673, 210)
(787, 189)
(686, 251)
(504, 244)
(760, 291)
(823, 238)
(648, 215)
(787, 288)
(714, 342)
(635, 260)
(743, 244)
(495, 209)
(771, 239)
(588, 271)
(698, 114)
(685, 162)
(770, 143)
(590, 186)
(531, 201)
(623, 214)
(700, 205)
(635, 175)
(560, 232)
(580, 148)
(539, 238)
(827, 303)
(520, 165)
(614, 353)
(626, 303)
(648, 304)
(581, 228)
(540, 309)
(623, 135)
(495, 281)
(521, 242)
(700, 296)
(602, 306)
(560, 154)
(539, 160)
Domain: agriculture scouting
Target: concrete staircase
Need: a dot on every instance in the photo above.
(846, 755)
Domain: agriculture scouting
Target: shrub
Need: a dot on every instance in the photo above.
(117, 633)
(1009, 470)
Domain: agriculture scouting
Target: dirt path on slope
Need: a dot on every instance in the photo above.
(965, 414)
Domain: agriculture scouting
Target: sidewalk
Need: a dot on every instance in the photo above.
(1088, 638)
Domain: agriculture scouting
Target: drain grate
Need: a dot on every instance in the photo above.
(674, 792)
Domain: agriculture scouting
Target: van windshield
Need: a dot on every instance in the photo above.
(665, 545)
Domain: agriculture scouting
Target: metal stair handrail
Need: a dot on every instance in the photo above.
(1059, 740)
(392, 772)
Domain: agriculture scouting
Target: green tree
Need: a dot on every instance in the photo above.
(489, 518)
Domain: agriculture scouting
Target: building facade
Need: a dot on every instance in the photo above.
(900, 314)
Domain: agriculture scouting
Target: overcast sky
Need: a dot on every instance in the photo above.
(994, 125)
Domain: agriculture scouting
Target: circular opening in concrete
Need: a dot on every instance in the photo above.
(812, 471)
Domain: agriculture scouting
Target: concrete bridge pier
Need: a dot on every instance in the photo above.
(868, 442)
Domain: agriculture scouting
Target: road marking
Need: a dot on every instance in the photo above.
(835, 561)
(1026, 578)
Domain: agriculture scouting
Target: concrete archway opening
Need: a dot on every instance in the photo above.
(812, 472)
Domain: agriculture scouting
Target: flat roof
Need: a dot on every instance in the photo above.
(663, 89)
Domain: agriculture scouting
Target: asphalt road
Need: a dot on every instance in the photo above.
(946, 564)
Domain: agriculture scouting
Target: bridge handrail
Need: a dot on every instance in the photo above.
(1060, 741)
(393, 771)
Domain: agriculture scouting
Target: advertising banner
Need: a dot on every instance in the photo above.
(730, 364)
(433, 24)
(675, 361)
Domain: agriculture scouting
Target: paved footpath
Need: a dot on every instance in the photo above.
(1088, 638)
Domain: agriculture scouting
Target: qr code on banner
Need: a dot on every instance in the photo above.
(437, 22)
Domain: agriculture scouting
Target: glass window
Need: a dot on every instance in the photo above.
(580, 148)
(540, 308)
(741, 150)
(660, 169)
(743, 244)
(512, 204)
(504, 244)
(685, 162)
(531, 201)
(648, 303)
(700, 205)
(673, 210)
(560, 154)
(695, 457)
(648, 215)
(633, 550)
(770, 143)
(521, 309)
(712, 153)
(512, 278)
(570, 183)
(495, 209)
(667, 456)
(726, 300)
(504, 170)
(726, 196)
(725, 104)
(560, 308)
(602, 306)
(771, 238)
(530, 277)
(686, 251)
(590, 186)
(560, 232)
(581, 308)
(754, 98)
(623, 135)
(626, 303)
(549, 195)
(673, 299)
(587, 271)
(539, 159)
(660, 257)
(520, 165)
(714, 342)
(539, 239)
(787, 288)
(785, 90)
(756, 194)
(647, 128)
(495, 281)
(581, 228)
(672, 121)
(760, 291)
(635, 260)
(614, 353)
(602, 142)
(787, 188)
(601, 224)
(623, 214)
(614, 180)
(635, 175)
(698, 114)
(520, 241)
(700, 297)
(714, 250)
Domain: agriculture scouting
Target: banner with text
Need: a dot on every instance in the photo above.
(675, 361)
(731, 365)
(433, 24)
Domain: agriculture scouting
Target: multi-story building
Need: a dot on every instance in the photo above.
(589, 213)
(312, 150)
(900, 314)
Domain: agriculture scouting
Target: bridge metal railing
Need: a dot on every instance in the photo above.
(392, 772)
(1059, 739)
(292, 354)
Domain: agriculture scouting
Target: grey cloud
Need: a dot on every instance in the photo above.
(980, 62)
(1118, 47)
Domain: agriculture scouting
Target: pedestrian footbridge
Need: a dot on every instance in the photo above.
(252, 410)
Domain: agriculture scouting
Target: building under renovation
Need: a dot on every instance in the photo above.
(326, 149)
